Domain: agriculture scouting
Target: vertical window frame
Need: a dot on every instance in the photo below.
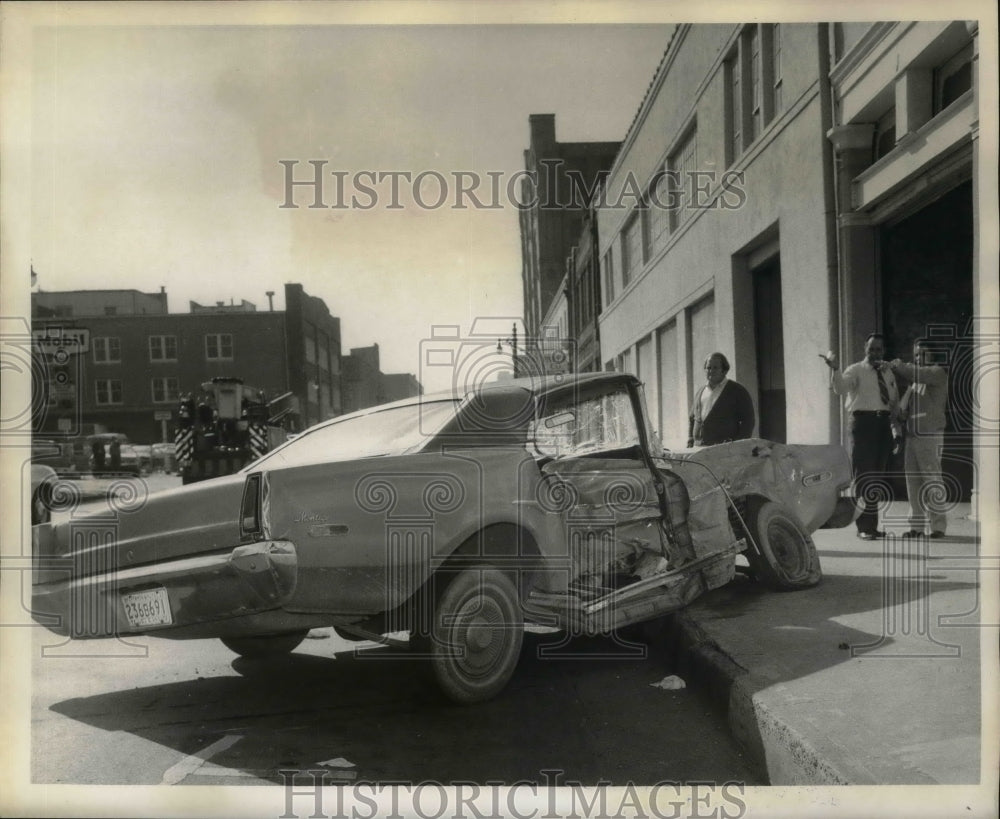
(219, 345)
(162, 344)
(681, 163)
(110, 347)
(169, 393)
(108, 388)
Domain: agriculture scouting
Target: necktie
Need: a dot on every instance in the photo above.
(883, 389)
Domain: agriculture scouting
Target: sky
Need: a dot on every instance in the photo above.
(157, 150)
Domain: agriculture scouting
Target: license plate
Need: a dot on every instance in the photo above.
(147, 608)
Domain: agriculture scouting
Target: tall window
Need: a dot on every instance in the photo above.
(776, 67)
(672, 427)
(108, 391)
(165, 390)
(609, 277)
(107, 350)
(163, 348)
(734, 108)
(631, 248)
(682, 163)
(658, 214)
(754, 86)
(310, 342)
(219, 347)
(623, 362)
(756, 97)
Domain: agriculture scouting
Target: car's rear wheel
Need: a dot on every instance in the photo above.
(268, 645)
(475, 636)
(781, 554)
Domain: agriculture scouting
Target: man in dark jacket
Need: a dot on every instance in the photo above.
(723, 409)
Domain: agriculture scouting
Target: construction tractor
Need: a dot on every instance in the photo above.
(230, 425)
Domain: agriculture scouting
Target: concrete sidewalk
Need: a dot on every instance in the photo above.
(872, 677)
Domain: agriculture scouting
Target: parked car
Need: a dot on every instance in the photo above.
(54, 453)
(144, 457)
(455, 516)
(42, 480)
(164, 457)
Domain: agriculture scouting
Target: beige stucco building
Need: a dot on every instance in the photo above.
(784, 190)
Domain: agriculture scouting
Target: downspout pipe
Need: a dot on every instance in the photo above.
(830, 199)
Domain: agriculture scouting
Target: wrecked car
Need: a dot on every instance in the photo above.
(456, 517)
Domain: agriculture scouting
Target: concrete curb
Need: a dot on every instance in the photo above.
(778, 752)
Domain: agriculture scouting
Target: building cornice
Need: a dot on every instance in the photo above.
(861, 50)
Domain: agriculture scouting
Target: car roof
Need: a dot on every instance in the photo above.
(507, 392)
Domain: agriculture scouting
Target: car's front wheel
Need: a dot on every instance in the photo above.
(268, 645)
(782, 554)
(476, 630)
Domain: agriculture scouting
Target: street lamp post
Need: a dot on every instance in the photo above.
(511, 341)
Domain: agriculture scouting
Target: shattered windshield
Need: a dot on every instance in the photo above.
(392, 431)
(585, 426)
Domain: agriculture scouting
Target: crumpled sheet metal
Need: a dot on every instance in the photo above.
(613, 518)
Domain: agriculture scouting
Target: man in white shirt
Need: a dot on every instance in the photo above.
(925, 418)
(872, 402)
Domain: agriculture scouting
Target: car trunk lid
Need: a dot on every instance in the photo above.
(133, 530)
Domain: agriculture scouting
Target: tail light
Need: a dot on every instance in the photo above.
(252, 508)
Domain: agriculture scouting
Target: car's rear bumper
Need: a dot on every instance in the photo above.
(249, 579)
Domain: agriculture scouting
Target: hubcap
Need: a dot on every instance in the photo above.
(480, 632)
(785, 545)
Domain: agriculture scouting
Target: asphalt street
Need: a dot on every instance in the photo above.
(150, 711)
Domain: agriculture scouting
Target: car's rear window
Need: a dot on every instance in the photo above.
(392, 431)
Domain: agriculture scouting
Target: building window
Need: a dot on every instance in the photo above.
(323, 350)
(110, 310)
(609, 277)
(107, 350)
(682, 164)
(754, 86)
(219, 347)
(623, 362)
(734, 108)
(163, 348)
(310, 342)
(953, 78)
(165, 390)
(660, 206)
(631, 249)
(756, 97)
(108, 391)
(776, 67)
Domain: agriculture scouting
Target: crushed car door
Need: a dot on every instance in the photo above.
(630, 553)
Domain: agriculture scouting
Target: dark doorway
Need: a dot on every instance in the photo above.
(770, 351)
(927, 292)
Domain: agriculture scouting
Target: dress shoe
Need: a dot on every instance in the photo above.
(913, 533)
(871, 535)
(937, 534)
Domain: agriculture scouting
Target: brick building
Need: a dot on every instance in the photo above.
(111, 361)
(555, 197)
(365, 385)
